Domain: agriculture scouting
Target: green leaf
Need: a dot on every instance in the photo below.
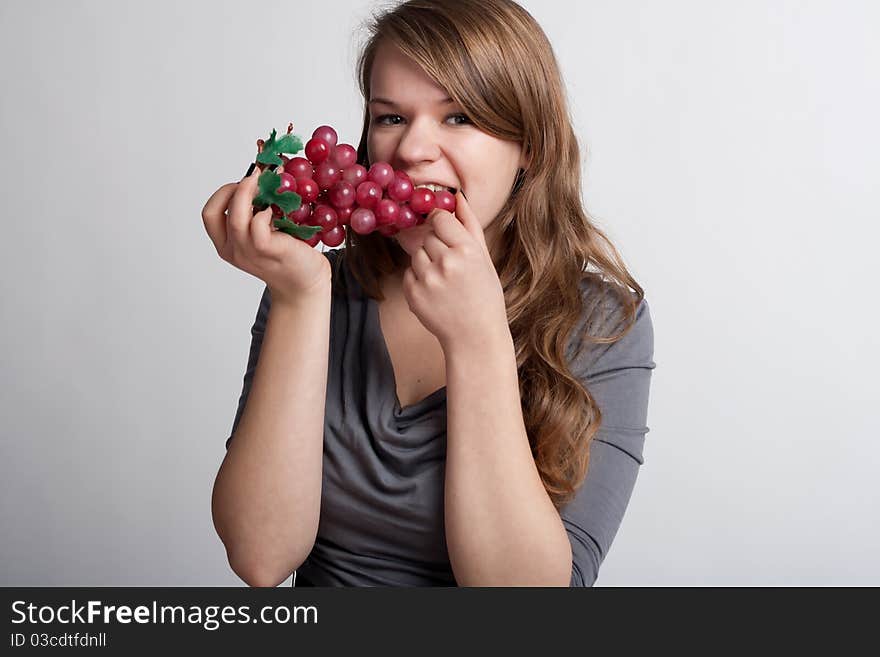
(288, 144)
(268, 184)
(297, 230)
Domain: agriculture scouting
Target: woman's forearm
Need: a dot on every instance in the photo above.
(501, 526)
(267, 495)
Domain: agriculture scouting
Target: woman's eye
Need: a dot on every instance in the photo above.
(393, 118)
(381, 119)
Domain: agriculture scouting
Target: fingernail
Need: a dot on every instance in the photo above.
(250, 169)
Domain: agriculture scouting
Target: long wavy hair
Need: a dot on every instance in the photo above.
(493, 58)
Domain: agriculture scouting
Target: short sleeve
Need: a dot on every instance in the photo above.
(257, 331)
(618, 377)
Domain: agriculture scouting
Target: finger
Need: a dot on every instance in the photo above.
(469, 220)
(409, 281)
(403, 245)
(448, 228)
(419, 264)
(261, 231)
(214, 214)
(434, 247)
(241, 207)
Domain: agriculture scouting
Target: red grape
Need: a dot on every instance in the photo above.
(344, 214)
(363, 221)
(326, 134)
(355, 174)
(387, 212)
(400, 189)
(325, 217)
(299, 167)
(388, 231)
(381, 173)
(407, 218)
(422, 200)
(333, 237)
(307, 189)
(302, 215)
(327, 174)
(344, 156)
(368, 194)
(317, 150)
(444, 200)
(313, 240)
(288, 183)
(342, 195)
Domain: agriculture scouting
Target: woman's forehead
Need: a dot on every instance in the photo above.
(396, 77)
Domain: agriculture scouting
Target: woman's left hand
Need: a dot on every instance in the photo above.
(451, 284)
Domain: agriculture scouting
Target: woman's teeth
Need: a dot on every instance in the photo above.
(436, 188)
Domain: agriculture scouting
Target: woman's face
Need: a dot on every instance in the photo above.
(420, 132)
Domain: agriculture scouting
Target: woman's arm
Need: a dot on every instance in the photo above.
(618, 377)
(501, 526)
(267, 495)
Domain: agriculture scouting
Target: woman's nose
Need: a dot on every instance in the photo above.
(418, 143)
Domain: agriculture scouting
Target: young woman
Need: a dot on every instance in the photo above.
(479, 416)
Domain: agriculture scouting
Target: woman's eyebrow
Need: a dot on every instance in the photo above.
(385, 101)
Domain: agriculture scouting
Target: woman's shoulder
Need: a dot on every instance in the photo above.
(608, 306)
(612, 312)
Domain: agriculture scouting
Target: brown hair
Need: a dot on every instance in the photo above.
(493, 58)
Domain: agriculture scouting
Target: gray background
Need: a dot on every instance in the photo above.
(730, 151)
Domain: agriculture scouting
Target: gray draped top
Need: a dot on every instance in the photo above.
(382, 520)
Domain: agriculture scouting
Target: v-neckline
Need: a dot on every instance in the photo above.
(385, 355)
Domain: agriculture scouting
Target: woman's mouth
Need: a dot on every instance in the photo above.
(434, 187)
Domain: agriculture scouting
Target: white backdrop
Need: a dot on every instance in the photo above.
(730, 151)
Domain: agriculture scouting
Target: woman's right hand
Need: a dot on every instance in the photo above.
(287, 265)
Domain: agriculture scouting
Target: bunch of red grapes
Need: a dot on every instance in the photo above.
(337, 192)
